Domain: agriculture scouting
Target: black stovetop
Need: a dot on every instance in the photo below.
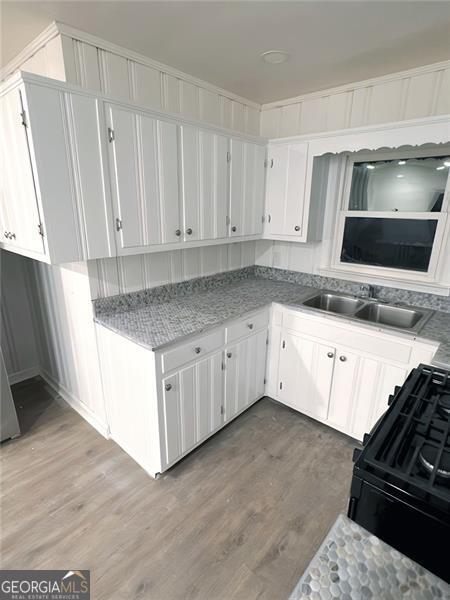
(410, 446)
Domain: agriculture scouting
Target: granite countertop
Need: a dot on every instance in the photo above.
(354, 564)
(159, 323)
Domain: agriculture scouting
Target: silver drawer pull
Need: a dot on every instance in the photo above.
(250, 325)
(197, 350)
(229, 354)
(342, 358)
(168, 387)
(330, 354)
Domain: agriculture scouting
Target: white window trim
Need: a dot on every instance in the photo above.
(428, 281)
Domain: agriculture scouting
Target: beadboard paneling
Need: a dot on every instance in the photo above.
(66, 336)
(112, 276)
(126, 79)
(411, 94)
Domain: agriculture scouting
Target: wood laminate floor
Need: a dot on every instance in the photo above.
(240, 518)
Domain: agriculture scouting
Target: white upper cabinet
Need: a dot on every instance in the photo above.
(286, 181)
(247, 174)
(204, 160)
(54, 204)
(144, 173)
(20, 219)
(88, 177)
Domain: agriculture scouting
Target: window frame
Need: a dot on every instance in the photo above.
(439, 243)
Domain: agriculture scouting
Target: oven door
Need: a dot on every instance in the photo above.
(410, 530)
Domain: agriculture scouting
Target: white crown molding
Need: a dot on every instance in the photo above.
(349, 87)
(88, 38)
(43, 38)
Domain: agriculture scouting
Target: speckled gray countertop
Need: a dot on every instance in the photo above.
(165, 321)
(353, 564)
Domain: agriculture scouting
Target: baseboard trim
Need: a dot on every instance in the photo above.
(19, 376)
(74, 403)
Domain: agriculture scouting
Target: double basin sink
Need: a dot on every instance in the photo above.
(371, 310)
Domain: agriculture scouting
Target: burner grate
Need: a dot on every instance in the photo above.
(411, 446)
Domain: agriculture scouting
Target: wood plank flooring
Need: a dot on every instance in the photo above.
(240, 518)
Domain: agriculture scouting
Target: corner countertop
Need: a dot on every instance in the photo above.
(162, 322)
(352, 563)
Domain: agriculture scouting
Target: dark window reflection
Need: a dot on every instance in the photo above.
(393, 243)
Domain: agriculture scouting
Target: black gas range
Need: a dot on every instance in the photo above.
(401, 478)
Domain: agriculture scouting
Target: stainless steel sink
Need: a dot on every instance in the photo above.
(393, 316)
(404, 318)
(342, 305)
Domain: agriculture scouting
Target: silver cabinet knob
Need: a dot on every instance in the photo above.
(168, 387)
(342, 358)
(297, 228)
(229, 354)
(12, 236)
(189, 231)
(197, 350)
(7, 234)
(250, 325)
(178, 232)
(234, 228)
(330, 354)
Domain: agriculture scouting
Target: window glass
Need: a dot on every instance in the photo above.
(411, 184)
(392, 243)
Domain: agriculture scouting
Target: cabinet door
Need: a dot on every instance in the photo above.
(19, 208)
(245, 366)
(144, 168)
(247, 175)
(361, 388)
(192, 401)
(204, 184)
(305, 374)
(285, 196)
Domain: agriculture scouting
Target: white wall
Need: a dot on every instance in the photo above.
(67, 344)
(411, 94)
(17, 333)
(112, 276)
(420, 92)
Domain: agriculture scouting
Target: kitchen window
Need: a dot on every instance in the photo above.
(393, 216)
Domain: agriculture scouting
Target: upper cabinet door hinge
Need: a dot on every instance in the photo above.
(283, 344)
(23, 116)
(228, 157)
(111, 135)
(227, 220)
(118, 224)
(40, 226)
(281, 385)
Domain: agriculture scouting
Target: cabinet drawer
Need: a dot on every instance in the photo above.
(245, 326)
(375, 343)
(196, 348)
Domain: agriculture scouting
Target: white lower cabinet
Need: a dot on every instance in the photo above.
(161, 405)
(305, 374)
(245, 364)
(192, 406)
(345, 386)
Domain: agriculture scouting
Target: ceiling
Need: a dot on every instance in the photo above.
(330, 42)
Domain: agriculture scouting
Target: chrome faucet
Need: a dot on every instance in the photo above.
(367, 291)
